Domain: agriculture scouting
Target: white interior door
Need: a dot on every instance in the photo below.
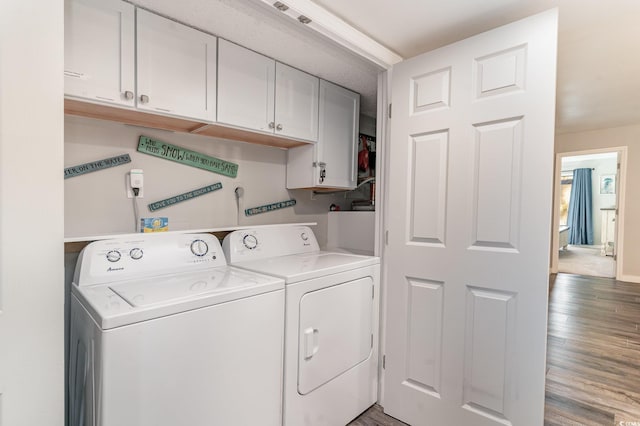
(470, 182)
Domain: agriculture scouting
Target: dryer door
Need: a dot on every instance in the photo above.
(335, 334)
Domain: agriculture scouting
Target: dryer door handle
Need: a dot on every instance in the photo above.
(311, 342)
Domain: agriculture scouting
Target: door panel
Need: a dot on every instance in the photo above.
(176, 68)
(329, 345)
(424, 335)
(338, 135)
(246, 88)
(467, 257)
(99, 59)
(497, 183)
(296, 106)
(428, 165)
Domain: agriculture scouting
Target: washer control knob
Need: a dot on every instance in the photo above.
(304, 236)
(250, 241)
(199, 248)
(113, 256)
(136, 253)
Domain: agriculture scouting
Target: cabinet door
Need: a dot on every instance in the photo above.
(176, 71)
(99, 38)
(296, 103)
(246, 87)
(337, 136)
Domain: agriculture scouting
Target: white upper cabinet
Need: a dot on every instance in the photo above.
(296, 106)
(246, 88)
(331, 163)
(255, 92)
(172, 72)
(99, 60)
(176, 68)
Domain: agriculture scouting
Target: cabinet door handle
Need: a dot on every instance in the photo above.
(271, 125)
(279, 127)
(128, 95)
(311, 342)
(144, 99)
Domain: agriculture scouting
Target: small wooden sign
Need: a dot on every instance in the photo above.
(94, 166)
(170, 152)
(269, 207)
(184, 197)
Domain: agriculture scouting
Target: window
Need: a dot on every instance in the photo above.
(566, 180)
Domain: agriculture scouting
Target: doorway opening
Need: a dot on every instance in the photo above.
(589, 190)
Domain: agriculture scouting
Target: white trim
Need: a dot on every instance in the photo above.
(622, 159)
(630, 278)
(334, 28)
(382, 193)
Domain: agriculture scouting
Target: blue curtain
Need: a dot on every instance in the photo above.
(580, 216)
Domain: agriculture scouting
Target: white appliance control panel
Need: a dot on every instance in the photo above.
(260, 243)
(148, 255)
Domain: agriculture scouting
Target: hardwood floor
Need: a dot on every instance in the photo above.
(375, 417)
(593, 355)
(593, 352)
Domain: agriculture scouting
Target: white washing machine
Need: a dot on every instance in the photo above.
(164, 333)
(331, 321)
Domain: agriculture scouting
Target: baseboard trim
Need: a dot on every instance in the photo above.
(629, 278)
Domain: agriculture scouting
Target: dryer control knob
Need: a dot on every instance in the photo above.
(113, 256)
(250, 241)
(199, 248)
(136, 253)
(304, 236)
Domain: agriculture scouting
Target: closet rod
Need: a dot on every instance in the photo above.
(564, 171)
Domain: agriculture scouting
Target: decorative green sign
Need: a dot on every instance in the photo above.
(96, 165)
(269, 207)
(184, 156)
(184, 197)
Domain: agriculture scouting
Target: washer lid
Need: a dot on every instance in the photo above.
(300, 267)
(114, 305)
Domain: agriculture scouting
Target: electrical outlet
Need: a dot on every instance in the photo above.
(130, 191)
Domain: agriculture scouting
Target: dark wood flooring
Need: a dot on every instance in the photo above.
(593, 352)
(375, 417)
(593, 355)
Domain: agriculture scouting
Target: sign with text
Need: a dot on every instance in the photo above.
(94, 166)
(269, 207)
(184, 197)
(187, 157)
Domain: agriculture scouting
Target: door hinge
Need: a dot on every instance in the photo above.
(384, 362)
(372, 340)
(373, 292)
(615, 257)
(390, 110)
(386, 238)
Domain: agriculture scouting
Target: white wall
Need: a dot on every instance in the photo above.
(31, 212)
(96, 203)
(613, 137)
(606, 166)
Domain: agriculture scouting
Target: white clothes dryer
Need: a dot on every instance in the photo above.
(331, 321)
(164, 333)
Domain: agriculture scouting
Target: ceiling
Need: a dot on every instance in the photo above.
(598, 82)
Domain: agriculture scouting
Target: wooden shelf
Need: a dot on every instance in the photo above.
(138, 118)
(218, 131)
